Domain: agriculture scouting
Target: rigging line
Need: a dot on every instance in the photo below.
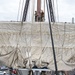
(22, 10)
(4, 41)
(13, 59)
(52, 37)
(57, 10)
(18, 10)
(53, 9)
(57, 31)
(41, 32)
(6, 54)
(13, 54)
(44, 48)
(57, 27)
(21, 54)
(24, 19)
(16, 59)
(40, 35)
(26, 45)
(25, 10)
(69, 64)
(63, 43)
(33, 6)
(20, 36)
(20, 32)
(44, 10)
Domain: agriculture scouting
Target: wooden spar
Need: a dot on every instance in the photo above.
(38, 7)
(39, 14)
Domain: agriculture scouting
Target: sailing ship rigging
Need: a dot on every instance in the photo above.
(23, 43)
(38, 17)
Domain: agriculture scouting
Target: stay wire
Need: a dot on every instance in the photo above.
(67, 63)
(19, 10)
(22, 10)
(20, 32)
(52, 37)
(57, 10)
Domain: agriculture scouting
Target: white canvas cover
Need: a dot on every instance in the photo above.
(32, 42)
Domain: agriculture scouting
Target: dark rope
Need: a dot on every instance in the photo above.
(47, 1)
(25, 10)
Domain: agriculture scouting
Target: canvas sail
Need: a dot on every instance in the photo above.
(32, 42)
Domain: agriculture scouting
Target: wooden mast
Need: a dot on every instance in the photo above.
(39, 14)
(39, 8)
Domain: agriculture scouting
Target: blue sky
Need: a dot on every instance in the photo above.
(9, 10)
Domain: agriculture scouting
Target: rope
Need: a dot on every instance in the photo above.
(17, 49)
(13, 59)
(32, 25)
(53, 8)
(22, 10)
(69, 64)
(52, 41)
(43, 50)
(6, 54)
(3, 40)
(44, 10)
(57, 10)
(20, 36)
(18, 10)
(33, 5)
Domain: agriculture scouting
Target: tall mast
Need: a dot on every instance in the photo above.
(38, 8)
(39, 14)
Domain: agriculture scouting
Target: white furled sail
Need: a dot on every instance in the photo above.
(31, 42)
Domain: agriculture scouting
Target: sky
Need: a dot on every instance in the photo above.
(64, 10)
